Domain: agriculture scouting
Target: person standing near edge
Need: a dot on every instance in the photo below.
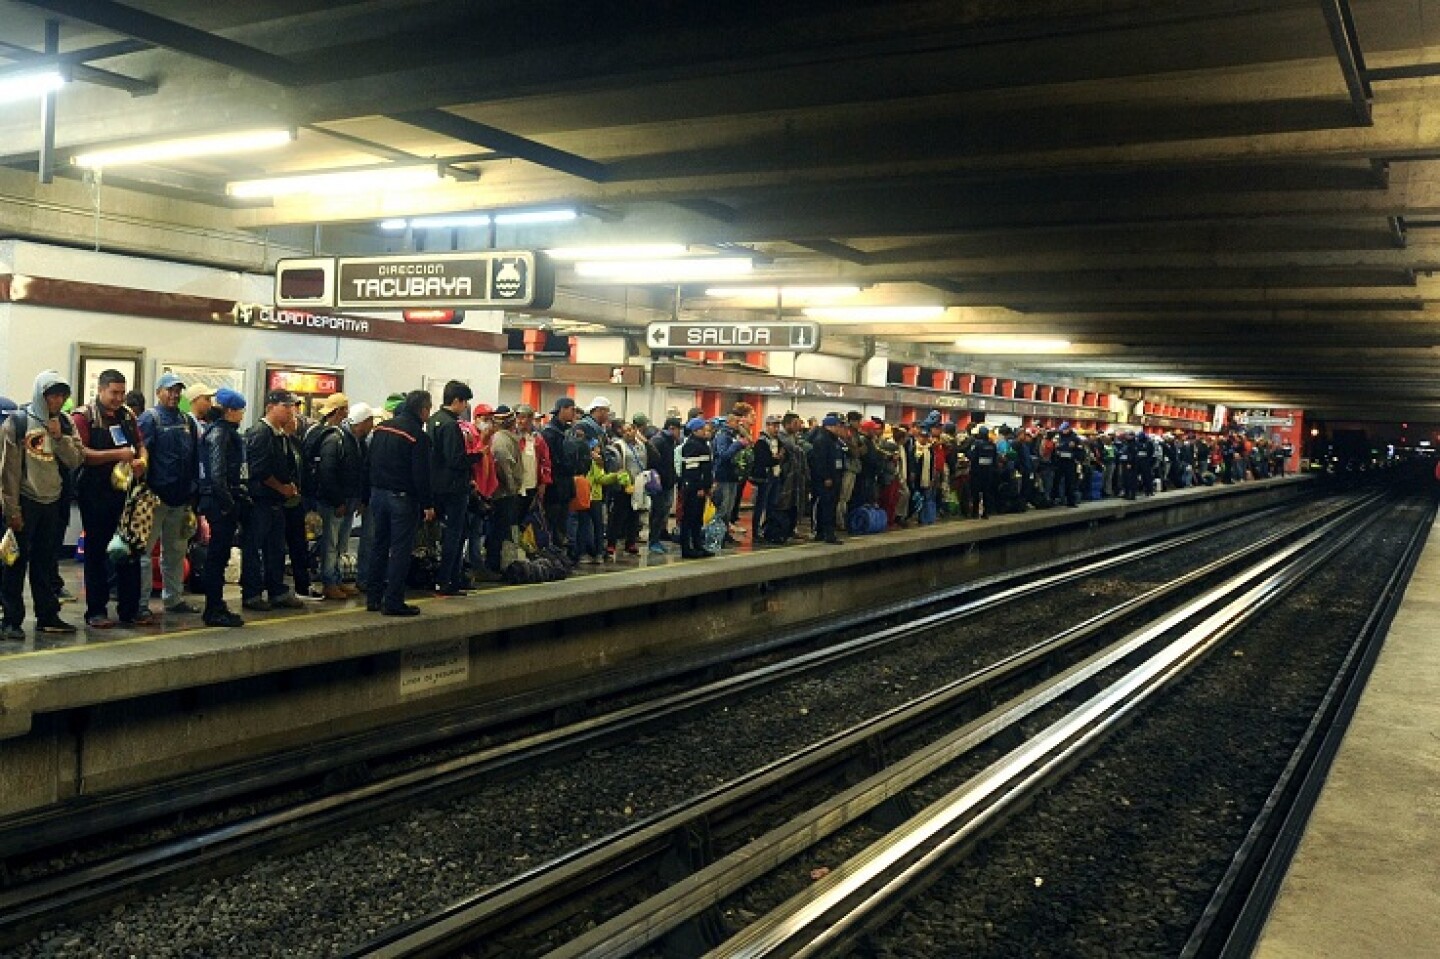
(36, 442)
(111, 436)
(274, 482)
(399, 498)
(172, 447)
(224, 498)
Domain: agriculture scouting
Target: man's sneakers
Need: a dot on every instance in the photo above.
(289, 601)
(335, 592)
(181, 608)
(11, 634)
(54, 627)
(257, 604)
(404, 609)
(658, 549)
(99, 622)
(65, 596)
(142, 618)
(450, 591)
(222, 617)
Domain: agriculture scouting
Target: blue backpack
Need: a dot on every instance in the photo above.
(866, 520)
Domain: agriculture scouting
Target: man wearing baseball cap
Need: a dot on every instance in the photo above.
(566, 462)
(172, 445)
(331, 470)
(274, 481)
(199, 398)
(224, 498)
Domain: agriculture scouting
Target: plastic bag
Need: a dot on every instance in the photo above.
(9, 548)
(121, 475)
(709, 511)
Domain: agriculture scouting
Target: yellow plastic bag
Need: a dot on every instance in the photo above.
(709, 511)
(9, 548)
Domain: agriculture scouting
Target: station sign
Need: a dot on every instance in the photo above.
(495, 279)
(1263, 418)
(802, 337)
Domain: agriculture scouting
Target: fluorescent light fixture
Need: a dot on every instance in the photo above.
(394, 226)
(338, 182)
(786, 294)
(1012, 344)
(26, 85)
(638, 251)
(665, 271)
(874, 314)
(451, 221)
(535, 216)
(249, 141)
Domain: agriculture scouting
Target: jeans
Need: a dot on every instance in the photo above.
(397, 518)
(765, 491)
(366, 547)
(502, 529)
(452, 508)
(37, 555)
(100, 512)
(477, 526)
(169, 529)
(692, 518)
(334, 541)
(589, 531)
(217, 557)
(262, 546)
(723, 494)
(660, 505)
(297, 544)
(624, 522)
(826, 500)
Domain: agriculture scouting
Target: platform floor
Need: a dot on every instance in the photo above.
(1365, 882)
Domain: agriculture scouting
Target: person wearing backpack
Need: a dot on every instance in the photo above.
(274, 483)
(36, 442)
(334, 479)
(172, 447)
(568, 459)
(224, 498)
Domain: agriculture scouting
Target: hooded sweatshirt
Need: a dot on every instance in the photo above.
(31, 467)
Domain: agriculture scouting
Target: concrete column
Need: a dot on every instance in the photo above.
(1027, 391)
(941, 379)
(1007, 389)
(966, 383)
(534, 341)
(530, 394)
(962, 420)
(910, 375)
(987, 386)
(1045, 394)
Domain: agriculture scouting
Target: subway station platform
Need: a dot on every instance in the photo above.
(111, 710)
(1365, 881)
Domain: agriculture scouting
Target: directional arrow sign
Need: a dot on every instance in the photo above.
(749, 337)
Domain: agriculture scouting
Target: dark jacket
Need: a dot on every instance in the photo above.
(270, 454)
(696, 465)
(728, 445)
(766, 463)
(343, 473)
(174, 449)
(828, 458)
(400, 458)
(567, 461)
(984, 456)
(664, 445)
(449, 463)
(222, 470)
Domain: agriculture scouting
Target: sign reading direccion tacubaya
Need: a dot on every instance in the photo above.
(494, 278)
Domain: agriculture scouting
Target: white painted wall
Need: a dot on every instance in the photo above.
(819, 366)
(33, 338)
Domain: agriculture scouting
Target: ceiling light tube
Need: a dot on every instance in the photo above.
(395, 225)
(451, 222)
(338, 182)
(664, 271)
(1012, 344)
(874, 314)
(786, 294)
(535, 216)
(637, 251)
(26, 85)
(249, 141)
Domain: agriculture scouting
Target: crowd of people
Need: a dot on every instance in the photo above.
(472, 487)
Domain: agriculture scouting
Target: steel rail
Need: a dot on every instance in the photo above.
(92, 816)
(505, 903)
(836, 908)
(31, 906)
(1231, 924)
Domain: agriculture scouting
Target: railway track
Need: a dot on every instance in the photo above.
(31, 907)
(1017, 747)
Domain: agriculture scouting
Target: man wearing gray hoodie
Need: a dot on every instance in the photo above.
(35, 442)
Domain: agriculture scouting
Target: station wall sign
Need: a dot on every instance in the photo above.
(1263, 418)
(496, 279)
(749, 337)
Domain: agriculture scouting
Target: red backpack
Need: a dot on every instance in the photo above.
(477, 447)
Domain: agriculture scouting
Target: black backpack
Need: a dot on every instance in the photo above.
(310, 454)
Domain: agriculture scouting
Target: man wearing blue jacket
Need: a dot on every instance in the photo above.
(172, 444)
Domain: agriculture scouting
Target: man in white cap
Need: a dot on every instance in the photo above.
(199, 398)
(334, 470)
